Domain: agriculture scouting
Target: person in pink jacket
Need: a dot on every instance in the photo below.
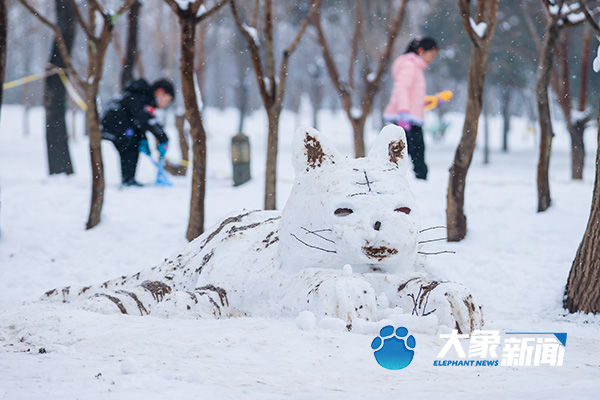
(406, 107)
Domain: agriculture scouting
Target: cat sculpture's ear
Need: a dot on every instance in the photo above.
(312, 150)
(390, 146)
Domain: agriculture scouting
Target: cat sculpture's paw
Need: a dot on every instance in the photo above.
(453, 305)
(343, 295)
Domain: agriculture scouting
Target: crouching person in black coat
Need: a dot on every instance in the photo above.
(127, 117)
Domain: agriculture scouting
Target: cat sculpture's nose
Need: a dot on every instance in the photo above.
(377, 226)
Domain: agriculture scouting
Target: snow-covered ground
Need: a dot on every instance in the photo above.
(514, 260)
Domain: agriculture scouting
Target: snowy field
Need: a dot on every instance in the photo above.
(514, 261)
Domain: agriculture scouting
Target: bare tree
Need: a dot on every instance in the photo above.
(371, 80)
(582, 292)
(559, 12)
(579, 124)
(98, 34)
(57, 139)
(560, 81)
(559, 76)
(189, 17)
(131, 52)
(271, 87)
(480, 29)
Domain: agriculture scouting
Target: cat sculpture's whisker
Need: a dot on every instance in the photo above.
(437, 252)
(311, 246)
(432, 240)
(323, 230)
(433, 227)
(316, 234)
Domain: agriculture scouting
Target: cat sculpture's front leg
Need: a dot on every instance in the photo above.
(450, 302)
(453, 305)
(338, 294)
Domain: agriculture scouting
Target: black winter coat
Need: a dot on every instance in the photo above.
(127, 117)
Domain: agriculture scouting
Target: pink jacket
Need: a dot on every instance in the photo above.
(408, 94)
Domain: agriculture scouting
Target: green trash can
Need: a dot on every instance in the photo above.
(240, 158)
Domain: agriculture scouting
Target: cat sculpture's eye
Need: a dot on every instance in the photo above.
(404, 210)
(342, 212)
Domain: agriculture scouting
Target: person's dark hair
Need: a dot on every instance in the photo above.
(165, 85)
(425, 43)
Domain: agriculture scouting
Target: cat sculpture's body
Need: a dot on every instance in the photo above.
(345, 246)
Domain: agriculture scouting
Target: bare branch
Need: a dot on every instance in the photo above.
(532, 31)
(212, 10)
(98, 7)
(465, 13)
(589, 18)
(81, 20)
(331, 67)
(354, 44)
(59, 41)
(283, 68)
(387, 53)
(109, 19)
(314, 7)
(254, 51)
(174, 6)
(126, 6)
(270, 57)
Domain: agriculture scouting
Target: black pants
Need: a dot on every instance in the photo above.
(416, 150)
(128, 148)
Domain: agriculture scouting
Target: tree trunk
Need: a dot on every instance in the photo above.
(582, 292)
(3, 19)
(546, 133)
(242, 97)
(505, 119)
(271, 168)
(577, 149)
(585, 68)
(578, 126)
(95, 67)
(131, 50)
(55, 104)
(358, 130)
(197, 132)
(180, 169)
(486, 136)
(95, 136)
(455, 216)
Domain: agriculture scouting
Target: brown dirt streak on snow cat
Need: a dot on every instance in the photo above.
(114, 300)
(403, 285)
(468, 301)
(141, 308)
(222, 225)
(270, 239)
(234, 229)
(218, 290)
(205, 260)
(425, 295)
(157, 289)
(395, 149)
(314, 152)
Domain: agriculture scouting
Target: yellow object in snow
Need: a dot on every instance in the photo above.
(63, 78)
(432, 101)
